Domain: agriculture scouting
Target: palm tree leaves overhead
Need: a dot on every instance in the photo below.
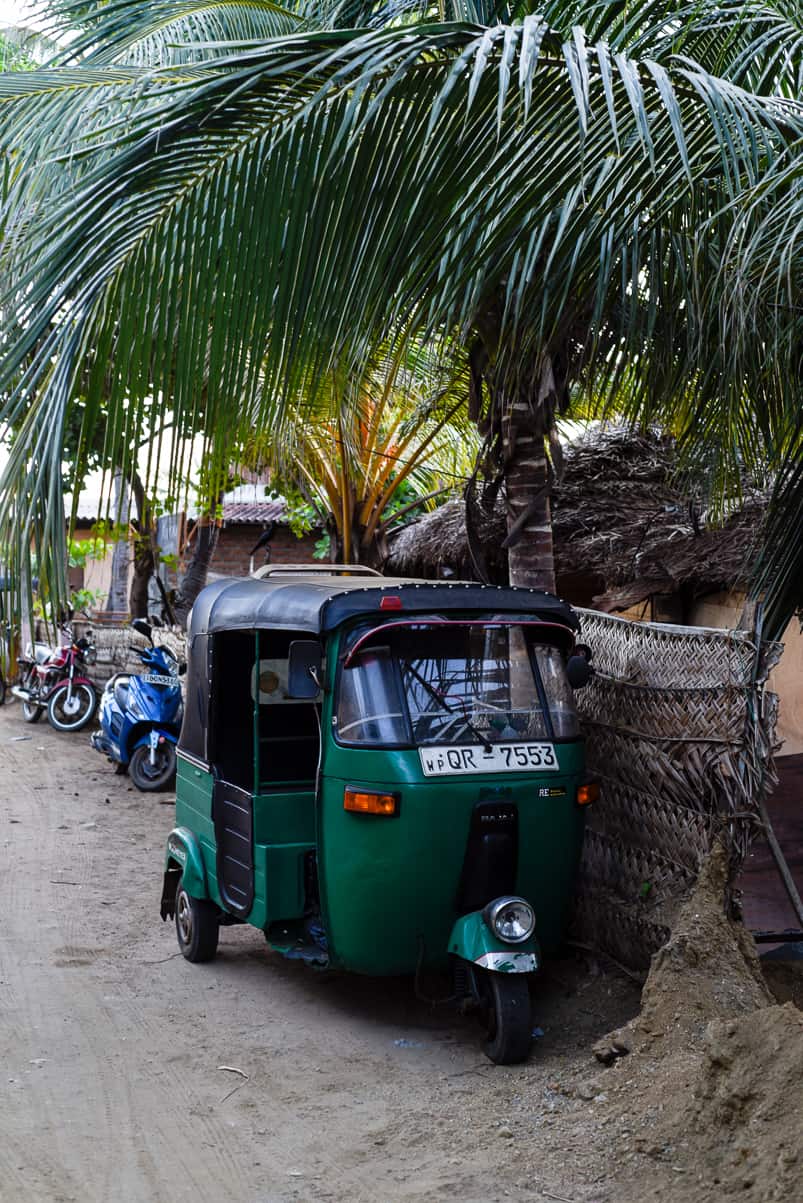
(159, 32)
(223, 230)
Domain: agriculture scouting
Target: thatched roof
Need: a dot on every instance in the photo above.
(625, 529)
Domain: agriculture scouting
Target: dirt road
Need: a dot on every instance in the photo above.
(119, 1060)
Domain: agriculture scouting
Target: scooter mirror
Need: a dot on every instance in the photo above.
(304, 669)
(578, 670)
(142, 628)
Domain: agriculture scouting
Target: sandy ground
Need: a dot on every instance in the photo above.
(128, 1074)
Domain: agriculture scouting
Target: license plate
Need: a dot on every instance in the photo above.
(158, 679)
(499, 758)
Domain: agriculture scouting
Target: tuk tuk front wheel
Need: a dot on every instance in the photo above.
(197, 926)
(508, 1017)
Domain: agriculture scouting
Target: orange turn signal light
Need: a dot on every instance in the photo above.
(588, 793)
(365, 802)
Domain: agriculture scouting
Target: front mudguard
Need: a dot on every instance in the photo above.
(143, 740)
(76, 681)
(473, 941)
(183, 861)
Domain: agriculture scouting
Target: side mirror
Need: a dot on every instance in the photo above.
(304, 669)
(142, 628)
(578, 667)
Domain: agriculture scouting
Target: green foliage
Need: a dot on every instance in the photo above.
(322, 547)
(13, 56)
(81, 551)
(111, 532)
(611, 188)
(85, 599)
(301, 516)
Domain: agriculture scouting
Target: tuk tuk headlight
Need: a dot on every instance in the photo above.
(510, 919)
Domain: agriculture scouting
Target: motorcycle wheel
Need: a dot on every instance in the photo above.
(67, 713)
(30, 711)
(508, 1018)
(150, 777)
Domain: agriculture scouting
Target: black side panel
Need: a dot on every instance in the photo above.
(233, 813)
(489, 866)
(196, 718)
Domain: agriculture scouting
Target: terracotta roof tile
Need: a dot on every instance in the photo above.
(274, 510)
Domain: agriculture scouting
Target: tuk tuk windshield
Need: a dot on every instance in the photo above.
(454, 685)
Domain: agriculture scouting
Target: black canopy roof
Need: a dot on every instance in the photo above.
(321, 603)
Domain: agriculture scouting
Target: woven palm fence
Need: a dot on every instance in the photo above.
(680, 733)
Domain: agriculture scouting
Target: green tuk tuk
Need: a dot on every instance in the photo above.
(384, 776)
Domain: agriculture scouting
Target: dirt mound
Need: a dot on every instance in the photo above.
(708, 968)
(748, 1116)
(715, 1067)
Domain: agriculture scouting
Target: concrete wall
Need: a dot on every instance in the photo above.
(96, 573)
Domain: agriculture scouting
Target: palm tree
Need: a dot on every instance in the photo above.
(575, 194)
(371, 448)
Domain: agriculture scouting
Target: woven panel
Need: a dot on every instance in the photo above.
(716, 713)
(114, 646)
(652, 825)
(604, 921)
(680, 733)
(658, 654)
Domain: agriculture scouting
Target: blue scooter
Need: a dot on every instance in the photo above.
(140, 716)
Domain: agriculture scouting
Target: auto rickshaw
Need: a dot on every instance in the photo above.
(384, 776)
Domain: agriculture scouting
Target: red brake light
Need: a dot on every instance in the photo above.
(390, 602)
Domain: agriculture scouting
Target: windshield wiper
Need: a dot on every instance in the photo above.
(441, 700)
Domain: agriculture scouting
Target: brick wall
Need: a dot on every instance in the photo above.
(235, 542)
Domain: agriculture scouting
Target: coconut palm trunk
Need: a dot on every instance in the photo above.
(206, 540)
(520, 420)
(531, 560)
(121, 556)
(144, 552)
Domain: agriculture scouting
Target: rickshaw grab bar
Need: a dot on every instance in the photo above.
(313, 570)
(458, 622)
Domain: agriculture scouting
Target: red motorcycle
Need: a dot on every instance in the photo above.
(53, 681)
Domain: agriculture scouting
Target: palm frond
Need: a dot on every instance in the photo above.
(223, 234)
(160, 33)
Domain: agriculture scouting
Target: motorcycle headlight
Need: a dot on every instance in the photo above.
(510, 919)
(90, 655)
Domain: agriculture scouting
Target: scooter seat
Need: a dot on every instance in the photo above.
(121, 691)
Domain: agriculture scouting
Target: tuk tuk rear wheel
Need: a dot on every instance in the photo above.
(197, 926)
(508, 1018)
